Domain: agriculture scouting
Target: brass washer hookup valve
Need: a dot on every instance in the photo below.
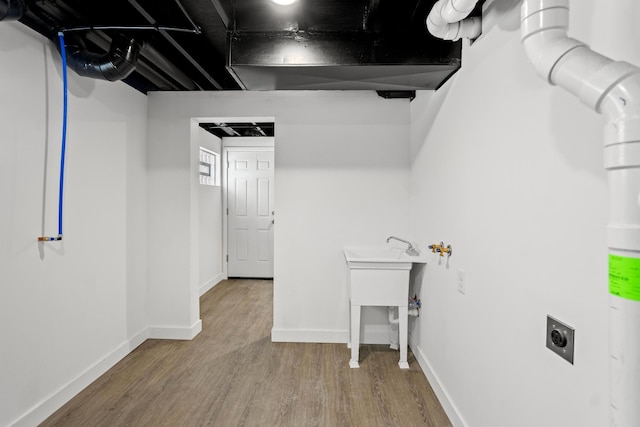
(435, 248)
(441, 249)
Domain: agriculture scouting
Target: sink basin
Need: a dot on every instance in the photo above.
(379, 276)
(381, 257)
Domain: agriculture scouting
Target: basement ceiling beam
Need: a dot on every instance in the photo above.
(176, 45)
(370, 13)
(222, 13)
(415, 10)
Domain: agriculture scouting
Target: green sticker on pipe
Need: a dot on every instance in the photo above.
(624, 277)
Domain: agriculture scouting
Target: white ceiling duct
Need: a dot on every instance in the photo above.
(448, 20)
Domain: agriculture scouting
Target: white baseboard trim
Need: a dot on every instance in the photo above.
(211, 283)
(174, 332)
(55, 401)
(442, 395)
(309, 335)
(372, 334)
(39, 412)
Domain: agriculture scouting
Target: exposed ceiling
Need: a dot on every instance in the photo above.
(257, 45)
(239, 129)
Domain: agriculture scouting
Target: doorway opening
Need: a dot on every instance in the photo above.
(248, 194)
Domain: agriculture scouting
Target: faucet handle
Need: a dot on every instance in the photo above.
(448, 250)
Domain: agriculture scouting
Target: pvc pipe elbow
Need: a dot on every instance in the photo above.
(393, 320)
(441, 29)
(469, 28)
(620, 104)
(546, 48)
(619, 77)
(544, 25)
(456, 10)
(530, 7)
(447, 20)
(570, 63)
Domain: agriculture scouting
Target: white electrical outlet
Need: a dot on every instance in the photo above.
(462, 282)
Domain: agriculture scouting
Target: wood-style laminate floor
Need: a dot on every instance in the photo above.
(231, 374)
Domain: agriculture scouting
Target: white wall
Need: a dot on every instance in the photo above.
(341, 178)
(210, 216)
(497, 163)
(509, 170)
(69, 309)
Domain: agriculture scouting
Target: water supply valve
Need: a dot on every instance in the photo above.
(441, 249)
(50, 238)
(414, 306)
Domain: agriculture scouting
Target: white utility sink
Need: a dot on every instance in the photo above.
(379, 276)
(380, 257)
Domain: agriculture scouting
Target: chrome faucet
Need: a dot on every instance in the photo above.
(410, 250)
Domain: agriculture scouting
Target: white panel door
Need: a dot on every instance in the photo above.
(250, 222)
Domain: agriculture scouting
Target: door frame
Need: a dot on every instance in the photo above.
(261, 143)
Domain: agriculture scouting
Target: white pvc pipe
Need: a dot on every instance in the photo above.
(392, 318)
(394, 325)
(447, 20)
(393, 329)
(612, 89)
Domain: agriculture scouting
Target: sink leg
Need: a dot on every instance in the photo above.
(403, 315)
(349, 340)
(355, 336)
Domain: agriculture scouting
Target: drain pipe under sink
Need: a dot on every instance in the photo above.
(393, 329)
(393, 325)
(611, 88)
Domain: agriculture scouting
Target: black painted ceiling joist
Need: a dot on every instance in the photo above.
(255, 44)
(172, 40)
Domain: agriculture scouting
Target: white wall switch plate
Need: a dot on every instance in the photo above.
(462, 282)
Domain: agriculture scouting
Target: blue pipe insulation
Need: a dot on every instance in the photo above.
(64, 142)
(116, 65)
(64, 129)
